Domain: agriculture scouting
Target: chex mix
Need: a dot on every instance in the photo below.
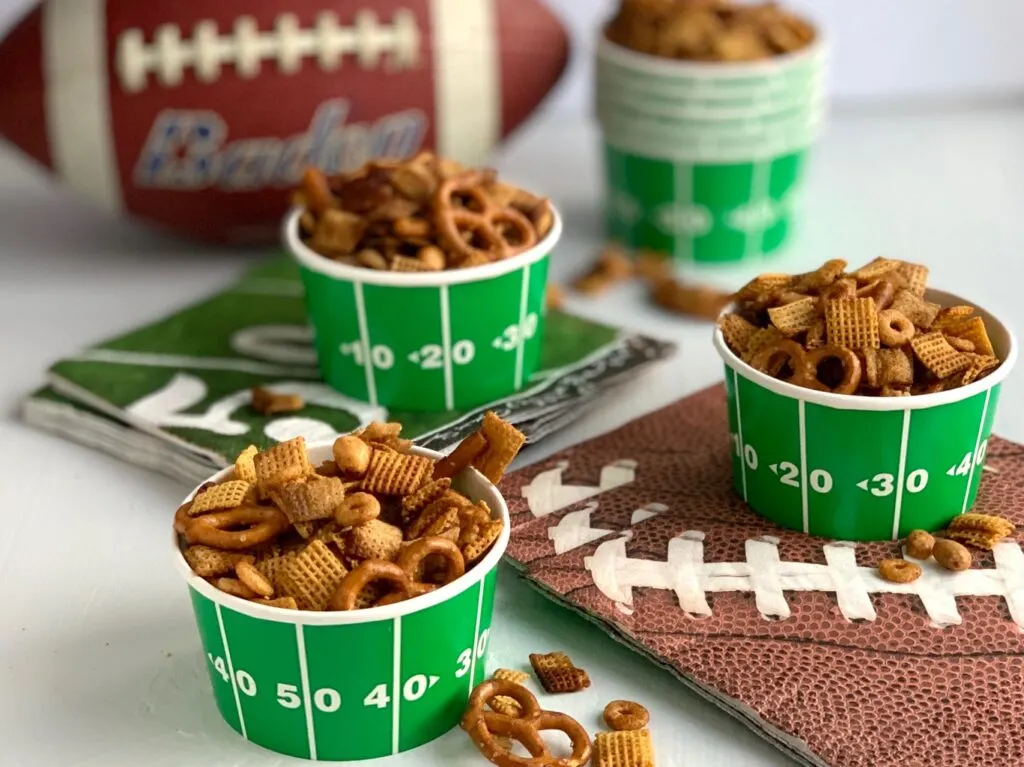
(871, 331)
(423, 215)
(374, 525)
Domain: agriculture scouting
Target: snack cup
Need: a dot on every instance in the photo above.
(426, 341)
(861, 468)
(703, 159)
(736, 207)
(350, 685)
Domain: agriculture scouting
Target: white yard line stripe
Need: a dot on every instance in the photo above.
(77, 104)
(364, 339)
(231, 670)
(476, 637)
(396, 692)
(300, 640)
(760, 187)
(804, 505)
(900, 475)
(524, 292)
(974, 456)
(467, 73)
(178, 361)
(739, 432)
(682, 183)
(446, 343)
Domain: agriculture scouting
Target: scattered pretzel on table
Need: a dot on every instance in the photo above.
(485, 726)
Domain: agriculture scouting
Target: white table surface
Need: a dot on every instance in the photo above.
(99, 657)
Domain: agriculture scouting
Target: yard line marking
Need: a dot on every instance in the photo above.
(739, 432)
(396, 695)
(524, 291)
(977, 446)
(304, 675)
(682, 182)
(231, 670)
(446, 342)
(476, 637)
(760, 189)
(802, 414)
(364, 337)
(901, 475)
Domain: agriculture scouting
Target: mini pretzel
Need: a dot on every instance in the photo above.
(882, 291)
(485, 727)
(895, 328)
(805, 365)
(481, 230)
(416, 552)
(626, 715)
(221, 529)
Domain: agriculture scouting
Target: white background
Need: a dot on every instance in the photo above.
(886, 50)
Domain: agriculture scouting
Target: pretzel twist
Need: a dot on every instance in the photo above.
(483, 725)
(480, 230)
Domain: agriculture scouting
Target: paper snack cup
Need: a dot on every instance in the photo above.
(697, 211)
(429, 341)
(703, 159)
(340, 686)
(861, 468)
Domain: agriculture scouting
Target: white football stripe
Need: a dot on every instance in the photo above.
(77, 101)
(467, 79)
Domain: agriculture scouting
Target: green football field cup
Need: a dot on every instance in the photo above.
(345, 686)
(430, 341)
(702, 212)
(861, 468)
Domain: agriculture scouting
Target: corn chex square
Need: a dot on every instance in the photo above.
(504, 441)
(227, 495)
(936, 354)
(283, 463)
(245, 468)
(312, 576)
(392, 473)
(973, 330)
(852, 323)
(795, 317)
(626, 748)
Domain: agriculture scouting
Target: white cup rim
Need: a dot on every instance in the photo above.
(318, 451)
(313, 261)
(711, 70)
(880, 404)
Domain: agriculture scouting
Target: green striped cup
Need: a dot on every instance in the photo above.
(341, 686)
(430, 341)
(861, 468)
(731, 210)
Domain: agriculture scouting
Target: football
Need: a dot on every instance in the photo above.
(797, 636)
(200, 117)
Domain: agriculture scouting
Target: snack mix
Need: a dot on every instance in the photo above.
(614, 265)
(868, 332)
(503, 711)
(373, 526)
(424, 215)
(708, 30)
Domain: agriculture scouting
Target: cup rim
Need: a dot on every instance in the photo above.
(488, 492)
(878, 404)
(312, 260)
(711, 70)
